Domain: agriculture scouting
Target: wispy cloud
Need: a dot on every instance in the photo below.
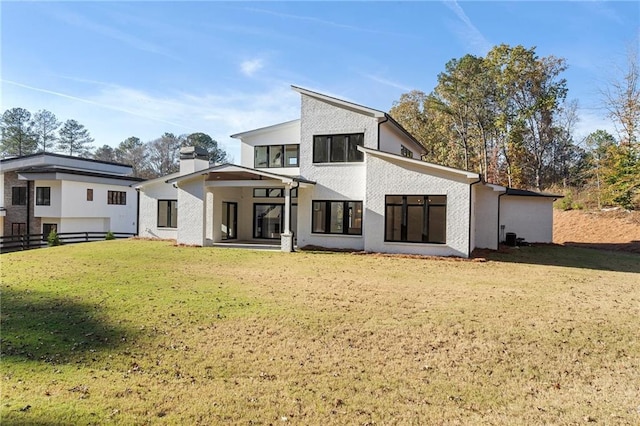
(470, 33)
(325, 22)
(76, 19)
(387, 82)
(250, 67)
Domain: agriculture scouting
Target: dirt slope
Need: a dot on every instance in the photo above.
(610, 230)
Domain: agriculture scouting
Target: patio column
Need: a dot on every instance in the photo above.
(286, 237)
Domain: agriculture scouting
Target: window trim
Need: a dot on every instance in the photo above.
(345, 217)
(329, 142)
(117, 198)
(19, 194)
(283, 156)
(404, 219)
(43, 195)
(168, 214)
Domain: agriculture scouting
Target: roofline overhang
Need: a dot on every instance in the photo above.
(464, 173)
(221, 168)
(341, 103)
(266, 129)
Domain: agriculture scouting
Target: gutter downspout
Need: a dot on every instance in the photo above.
(137, 212)
(470, 210)
(380, 123)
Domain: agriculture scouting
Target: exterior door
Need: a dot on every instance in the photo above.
(229, 220)
(268, 220)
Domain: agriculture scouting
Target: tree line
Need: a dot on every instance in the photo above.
(506, 116)
(23, 133)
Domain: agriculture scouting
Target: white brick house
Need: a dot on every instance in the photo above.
(342, 176)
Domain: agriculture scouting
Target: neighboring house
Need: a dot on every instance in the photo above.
(46, 191)
(343, 176)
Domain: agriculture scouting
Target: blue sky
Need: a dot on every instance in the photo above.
(144, 68)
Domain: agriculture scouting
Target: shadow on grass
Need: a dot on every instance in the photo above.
(39, 327)
(570, 256)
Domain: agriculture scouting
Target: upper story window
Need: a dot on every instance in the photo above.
(19, 195)
(117, 197)
(43, 196)
(89, 194)
(406, 152)
(271, 156)
(273, 192)
(338, 148)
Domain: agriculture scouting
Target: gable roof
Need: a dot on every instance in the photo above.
(266, 129)
(420, 163)
(230, 168)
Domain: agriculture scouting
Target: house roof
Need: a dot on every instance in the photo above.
(266, 129)
(52, 154)
(526, 193)
(68, 171)
(46, 159)
(240, 171)
(341, 103)
(420, 163)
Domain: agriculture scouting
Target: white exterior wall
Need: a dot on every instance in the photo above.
(387, 178)
(530, 218)
(191, 212)
(149, 196)
(287, 134)
(392, 140)
(485, 213)
(1, 193)
(77, 214)
(334, 181)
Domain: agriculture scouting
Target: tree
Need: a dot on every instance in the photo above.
(74, 138)
(17, 133)
(622, 100)
(133, 152)
(202, 140)
(163, 154)
(105, 153)
(600, 147)
(45, 127)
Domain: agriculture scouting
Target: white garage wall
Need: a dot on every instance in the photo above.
(530, 218)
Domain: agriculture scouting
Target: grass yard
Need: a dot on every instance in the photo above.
(142, 332)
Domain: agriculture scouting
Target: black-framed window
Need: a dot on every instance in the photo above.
(18, 228)
(406, 152)
(167, 213)
(275, 156)
(19, 196)
(268, 220)
(47, 228)
(273, 192)
(43, 196)
(338, 148)
(117, 197)
(416, 218)
(89, 194)
(336, 217)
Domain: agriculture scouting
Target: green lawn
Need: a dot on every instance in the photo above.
(142, 332)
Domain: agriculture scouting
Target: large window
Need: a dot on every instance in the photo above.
(43, 196)
(337, 148)
(337, 217)
(18, 228)
(416, 218)
(273, 156)
(167, 213)
(268, 220)
(19, 195)
(47, 228)
(117, 197)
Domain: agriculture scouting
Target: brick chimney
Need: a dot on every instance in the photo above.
(193, 159)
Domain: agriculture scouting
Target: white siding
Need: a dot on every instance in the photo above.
(286, 134)
(334, 181)
(392, 140)
(485, 213)
(398, 178)
(530, 218)
(149, 196)
(191, 212)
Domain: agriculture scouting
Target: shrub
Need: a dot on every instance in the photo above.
(110, 236)
(53, 239)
